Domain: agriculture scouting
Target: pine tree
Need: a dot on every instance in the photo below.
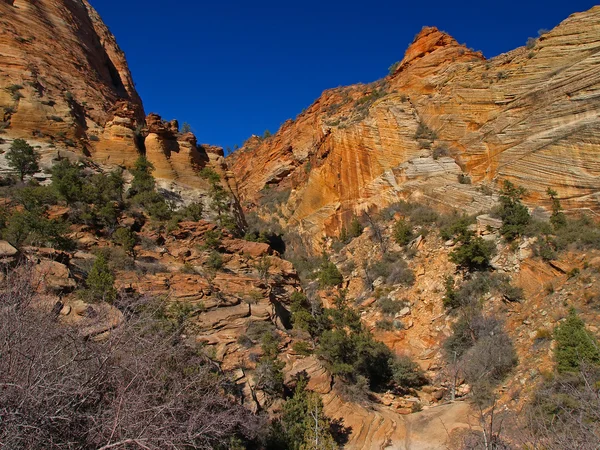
(100, 281)
(23, 158)
(558, 218)
(317, 435)
(515, 216)
(574, 344)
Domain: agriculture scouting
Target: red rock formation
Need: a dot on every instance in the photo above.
(63, 75)
(530, 116)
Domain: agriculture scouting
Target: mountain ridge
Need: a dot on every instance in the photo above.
(497, 118)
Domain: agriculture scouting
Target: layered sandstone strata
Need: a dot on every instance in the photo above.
(530, 116)
(64, 77)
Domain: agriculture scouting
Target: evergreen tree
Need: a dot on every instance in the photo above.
(474, 253)
(303, 424)
(317, 435)
(23, 158)
(100, 281)
(329, 275)
(142, 190)
(143, 181)
(515, 216)
(68, 180)
(558, 218)
(220, 199)
(126, 239)
(355, 229)
(574, 344)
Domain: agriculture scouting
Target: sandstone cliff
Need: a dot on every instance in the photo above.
(530, 116)
(65, 85)
(64, 78)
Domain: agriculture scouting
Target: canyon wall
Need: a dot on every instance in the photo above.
(444, 112)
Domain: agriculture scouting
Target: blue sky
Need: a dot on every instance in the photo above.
(236, 68)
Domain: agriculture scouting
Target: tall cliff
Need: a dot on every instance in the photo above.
(63, 76)
(65, 84)
(443, 113)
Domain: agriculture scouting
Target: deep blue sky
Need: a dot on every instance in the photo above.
(236, 68)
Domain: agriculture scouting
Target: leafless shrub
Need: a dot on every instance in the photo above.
(140, 387)
(565, 412)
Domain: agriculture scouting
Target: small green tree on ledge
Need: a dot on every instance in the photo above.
(515, 216)
(23, 158)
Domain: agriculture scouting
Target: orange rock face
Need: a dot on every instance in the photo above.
(530, 116)
(64, 76)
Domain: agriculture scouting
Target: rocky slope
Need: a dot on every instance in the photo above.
(530, 116)
(444, 114)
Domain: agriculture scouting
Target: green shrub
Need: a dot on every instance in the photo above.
(210, 175)
(440, 151)
(579, 234)
(349, 355)
(355, 229)
(257, 329)
(143, 181)
(35, 198)
(31, 227)
(417, 214)
(574, 345)
(389, 307)
(407, 374)
(214, 260)
(474, 288)
(451, 298)
(68, 180)
(455, 226)
(474, 253)
(117, 258)
(245, 341)
(544, 249)
(192, 212)
(302, 317)
(188, 268)
(402, 232)
(126, 239)
(558, 218)
(220, 200)
(212, 239)
(328, 274)
(100, 282)
(302, 348)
